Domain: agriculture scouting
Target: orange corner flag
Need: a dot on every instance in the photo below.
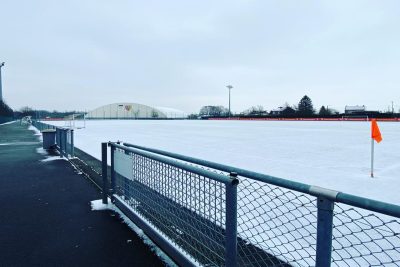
(375, 132)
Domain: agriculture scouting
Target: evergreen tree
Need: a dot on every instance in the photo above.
(323, 111)
(305, 107)
(288, 111)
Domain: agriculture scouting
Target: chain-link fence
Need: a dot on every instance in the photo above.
(284, 223)
(364, 238)
(277, 222)
(281, 223)
(187, 206)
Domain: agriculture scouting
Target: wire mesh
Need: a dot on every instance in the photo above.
(189, 209)
(277, 226)
(364, 238)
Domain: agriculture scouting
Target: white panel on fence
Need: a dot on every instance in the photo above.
(123, 164)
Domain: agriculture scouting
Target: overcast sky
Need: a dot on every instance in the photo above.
(82, 54)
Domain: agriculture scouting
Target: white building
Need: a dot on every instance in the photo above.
(134, 111)
(354, 109)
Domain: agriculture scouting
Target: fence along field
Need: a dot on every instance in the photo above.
(276, 224)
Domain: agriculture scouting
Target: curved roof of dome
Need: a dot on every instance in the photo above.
(134, 110)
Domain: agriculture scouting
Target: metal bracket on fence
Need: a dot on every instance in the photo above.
(324, 231)
(104, 171)
(231, 221)
(323, 192)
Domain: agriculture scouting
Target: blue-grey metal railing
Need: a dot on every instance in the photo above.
(64, 138)
(365, 203)
(278, 222)
(170, 200)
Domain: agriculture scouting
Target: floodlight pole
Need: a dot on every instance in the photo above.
(229, 88)
(1, 88)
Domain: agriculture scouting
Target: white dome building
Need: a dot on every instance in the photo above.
(134, 111)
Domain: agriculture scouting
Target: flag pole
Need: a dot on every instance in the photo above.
(372, 157)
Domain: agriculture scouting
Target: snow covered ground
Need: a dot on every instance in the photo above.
(334, 155)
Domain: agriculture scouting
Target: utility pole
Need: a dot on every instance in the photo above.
(229, 88)
(1, 88)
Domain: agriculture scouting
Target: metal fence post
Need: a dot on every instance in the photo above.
(64, 142)
(72, 144)
(324, 231)
(57, 137)
(104, 171)
(231, 222)
(61, 143)
(67, 143)
(112, 189)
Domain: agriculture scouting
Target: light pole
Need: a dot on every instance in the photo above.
(229, 88)
(1, 89)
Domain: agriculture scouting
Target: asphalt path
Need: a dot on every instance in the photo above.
(45, 213)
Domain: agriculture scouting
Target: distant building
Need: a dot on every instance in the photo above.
(277, 111)
(354, 109)
(134, 111)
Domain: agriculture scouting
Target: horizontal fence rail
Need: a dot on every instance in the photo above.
(189, 204)
(64, 141)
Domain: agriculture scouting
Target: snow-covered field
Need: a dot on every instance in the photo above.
(334, 155)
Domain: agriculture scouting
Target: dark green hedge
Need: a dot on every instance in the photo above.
(5, 119)
(5, 110)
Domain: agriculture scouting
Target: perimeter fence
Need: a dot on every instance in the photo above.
(64, 141)
(205, 213)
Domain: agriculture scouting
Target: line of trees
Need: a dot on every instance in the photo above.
(213, 111)
(7, 112)
(28, 111)
(304, 108)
